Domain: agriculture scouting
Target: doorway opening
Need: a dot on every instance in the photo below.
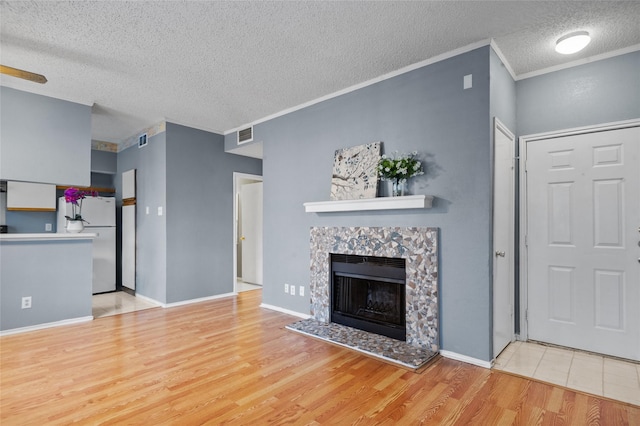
(248, 225)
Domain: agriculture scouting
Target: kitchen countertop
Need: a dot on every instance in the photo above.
(51, 236)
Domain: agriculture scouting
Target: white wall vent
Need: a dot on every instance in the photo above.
(142, 140)
(245, 135)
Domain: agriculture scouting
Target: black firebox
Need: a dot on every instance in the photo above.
(368, 293)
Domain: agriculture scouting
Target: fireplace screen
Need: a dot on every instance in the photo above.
(368, 293)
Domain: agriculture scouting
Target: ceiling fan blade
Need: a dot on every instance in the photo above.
(14, 72)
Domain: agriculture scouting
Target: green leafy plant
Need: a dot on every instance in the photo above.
(399, 167)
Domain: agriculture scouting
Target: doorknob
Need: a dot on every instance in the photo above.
(500, 253)
(242, 238)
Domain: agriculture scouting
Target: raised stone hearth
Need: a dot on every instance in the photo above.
(382, 347)
(415, 244)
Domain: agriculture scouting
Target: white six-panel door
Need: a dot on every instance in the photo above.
(582, 241)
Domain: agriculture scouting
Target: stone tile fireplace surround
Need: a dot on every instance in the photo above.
(418, 245)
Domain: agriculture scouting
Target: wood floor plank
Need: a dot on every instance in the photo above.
(228, 361)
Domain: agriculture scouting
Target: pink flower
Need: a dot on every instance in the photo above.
(75, 196)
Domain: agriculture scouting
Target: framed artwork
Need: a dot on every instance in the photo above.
(355, 173)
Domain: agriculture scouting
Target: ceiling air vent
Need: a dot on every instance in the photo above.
(245, 135)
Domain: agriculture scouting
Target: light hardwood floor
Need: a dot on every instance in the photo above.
(229, 361)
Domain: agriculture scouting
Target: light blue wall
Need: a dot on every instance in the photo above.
(57, 276)
(22, 222)
(44, 139)
(503, 106)
(103, 180)
(187, 253)
(502, 94)
(425, 110)
(200, 218)
(151, 238)
(104, 162)
(599, 92)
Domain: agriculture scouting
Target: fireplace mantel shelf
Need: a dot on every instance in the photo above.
(380, 203)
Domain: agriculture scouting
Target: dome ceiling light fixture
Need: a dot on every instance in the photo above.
(572, 42)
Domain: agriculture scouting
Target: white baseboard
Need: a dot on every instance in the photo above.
(285, 311)
(201, 299)
(467, 359)
(150, 300)
(46, 325)
(184, 302)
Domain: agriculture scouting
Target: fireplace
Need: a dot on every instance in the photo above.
(416, 247)
(368, 293)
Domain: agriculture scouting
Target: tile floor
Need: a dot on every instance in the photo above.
(590, 373)
(242, 286)
(118, 302)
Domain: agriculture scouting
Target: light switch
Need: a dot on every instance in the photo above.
(468, 81)
(160, 211)
(147, 209)
(47, 227)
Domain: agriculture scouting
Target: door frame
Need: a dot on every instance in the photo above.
(237, 176)
(498, 126)
(524, 225)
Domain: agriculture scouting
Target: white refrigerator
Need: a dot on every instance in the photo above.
(100, 216)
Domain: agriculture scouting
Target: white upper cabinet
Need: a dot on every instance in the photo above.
(31, 196)
(129, 184)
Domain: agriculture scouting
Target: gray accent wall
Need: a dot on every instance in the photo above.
(151, 239)
(26, 222)
(57, 276)
(598, 92)
(503, 106)
(200, 241)
(187, 253)
(104, 162)
(425, 110)
(502, 94)
(44, 139)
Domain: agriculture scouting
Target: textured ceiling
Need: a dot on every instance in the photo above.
(220, 65)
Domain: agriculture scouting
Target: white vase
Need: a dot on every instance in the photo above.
(75, 226)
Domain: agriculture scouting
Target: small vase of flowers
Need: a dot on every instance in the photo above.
(397, 169)
(74, 196)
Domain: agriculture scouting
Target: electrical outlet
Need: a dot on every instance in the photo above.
(292, 289)
(160, 211)
(301, 292)
(26, 302)
(47, 227)
(286, 288)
